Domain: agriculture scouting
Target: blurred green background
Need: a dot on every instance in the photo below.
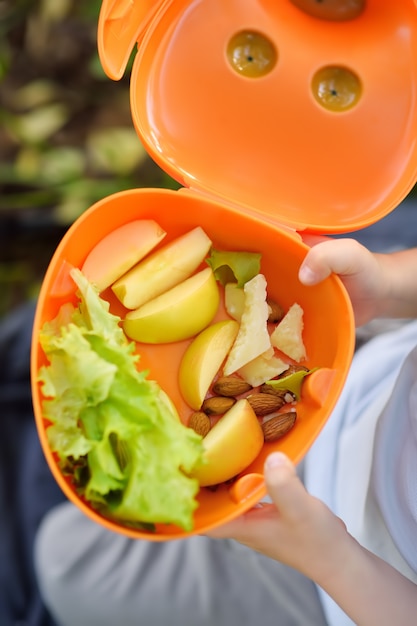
(66, 135)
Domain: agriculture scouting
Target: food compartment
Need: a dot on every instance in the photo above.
(328, 333)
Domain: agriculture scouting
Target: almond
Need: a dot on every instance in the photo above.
(278, 426)
(292, 369)
(264, 403)
(200, 423)
(276, 312)
(286, 395)
(217, 405)
(230, 386)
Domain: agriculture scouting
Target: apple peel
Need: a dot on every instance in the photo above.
(120, 250)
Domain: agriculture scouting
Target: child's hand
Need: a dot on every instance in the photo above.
(300, 531)
(359, 269)
(297, 529)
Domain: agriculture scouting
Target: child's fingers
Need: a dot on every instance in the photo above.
(339, 256)
(285, 488)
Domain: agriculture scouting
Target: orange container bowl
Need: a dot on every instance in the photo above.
(328, 332)
(275, 117)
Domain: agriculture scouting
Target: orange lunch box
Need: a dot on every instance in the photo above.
(277, 118)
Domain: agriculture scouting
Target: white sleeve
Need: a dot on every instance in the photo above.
(341, 468)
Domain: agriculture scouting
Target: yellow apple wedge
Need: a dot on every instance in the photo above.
(177, 314)
(234, 300)
(203, 359)
(231, 445)
(163, 269)
(120, 250)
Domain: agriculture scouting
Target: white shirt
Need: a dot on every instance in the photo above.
(364, 464)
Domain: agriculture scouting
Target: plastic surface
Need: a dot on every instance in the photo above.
(122, 22)
(274, 120)
(328, 334)
(265, 143)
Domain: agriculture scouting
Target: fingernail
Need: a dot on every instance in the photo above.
(276, 459)
(306, 275)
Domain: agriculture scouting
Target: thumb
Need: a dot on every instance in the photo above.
(340, 256)
(285, 488)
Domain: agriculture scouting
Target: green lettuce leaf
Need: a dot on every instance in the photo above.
(106, 415)
(293, 382)
(229, 267)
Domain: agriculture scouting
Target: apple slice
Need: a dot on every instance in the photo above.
(163, 269)
(231, 445)
(203, 359)
(177, 314)
(234, 300)
(120, 250)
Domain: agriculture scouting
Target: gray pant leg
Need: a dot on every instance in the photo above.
(92, 577)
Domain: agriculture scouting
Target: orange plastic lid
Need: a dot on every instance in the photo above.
(301, 112)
